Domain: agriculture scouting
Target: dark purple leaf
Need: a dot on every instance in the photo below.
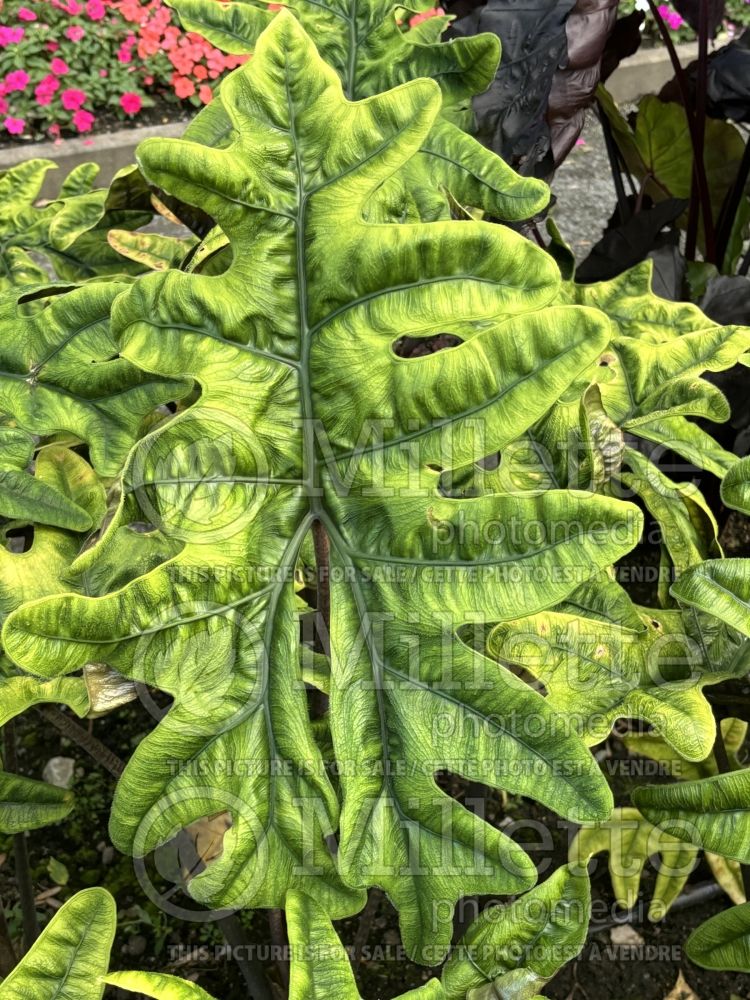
(727, 301)
(552, 50)
(624, 41)
(690, 10)
(511, 115)
(628, 243)
(588, 27)
(729, 80)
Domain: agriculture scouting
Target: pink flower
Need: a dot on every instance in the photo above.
(83, 120)
(50, 82)
(124, 54)
(205, 94)
(3, 106)
(52, 46)
(17, 79)
(59, 67)
(45, 89)
(72, 7)
(10, 36)
(75, 33)
(14, 125)
(54, 129)
(130, 103)
(96, 10)
(25, 14)
(671, 18)
(72, 99)
(103, 73)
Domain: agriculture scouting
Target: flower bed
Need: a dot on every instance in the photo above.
(65, 63)
(736, 18)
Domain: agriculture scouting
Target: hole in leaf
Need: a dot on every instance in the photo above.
(18, 538)
(206, 836)
(35, 302)
(193, 849)
(490, 462)
(420, 347)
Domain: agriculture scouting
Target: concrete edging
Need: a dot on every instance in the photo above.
(647, 71)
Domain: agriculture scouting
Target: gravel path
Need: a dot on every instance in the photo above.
(585, 192)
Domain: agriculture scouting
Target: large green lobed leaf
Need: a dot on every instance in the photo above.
(362, 41)
(307, 415)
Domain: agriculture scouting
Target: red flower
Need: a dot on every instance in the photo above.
(182, 63)
(183, 87)
(130, 103)
(72, 99)
(205, 94)
(425, 15)
(147, 47)
(131, 10)
(83, 120)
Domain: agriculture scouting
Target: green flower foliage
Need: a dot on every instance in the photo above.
(637, 402)
(26, 804)
(22, 497)
(713, 813)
